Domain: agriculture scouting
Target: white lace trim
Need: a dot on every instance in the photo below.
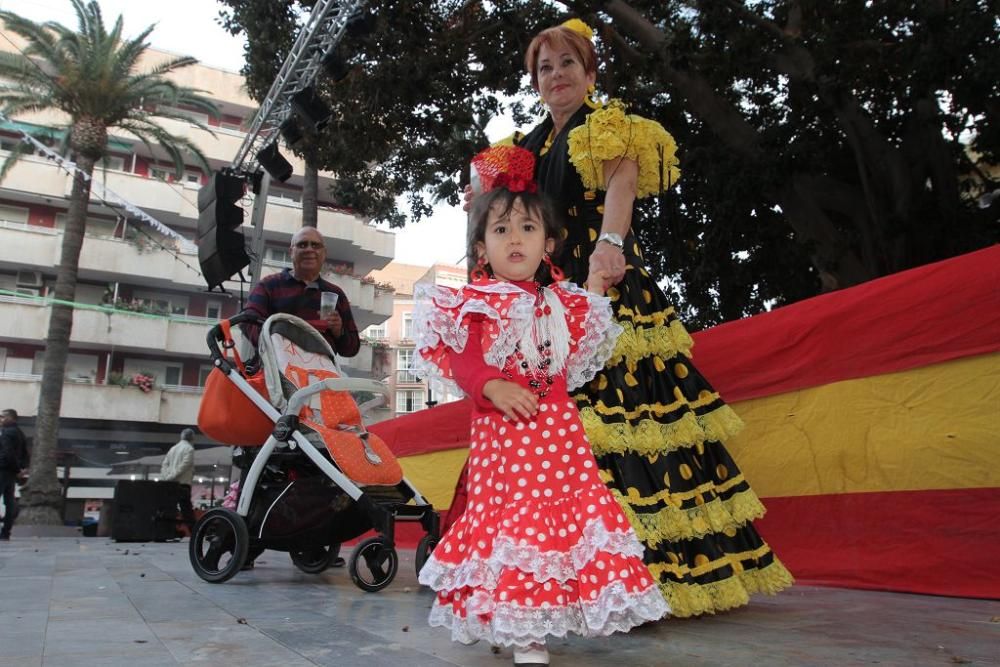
(600, 334)
(614, 610)
(542, 565)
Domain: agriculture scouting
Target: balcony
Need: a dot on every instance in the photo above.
(114, 260)
(111, 402)
(350, 239)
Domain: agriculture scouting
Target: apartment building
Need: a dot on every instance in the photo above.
(393, 340)
(142, 306)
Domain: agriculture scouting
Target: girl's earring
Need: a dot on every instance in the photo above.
(554, 271)
(589, 98)
(479, 274)
(541, 100)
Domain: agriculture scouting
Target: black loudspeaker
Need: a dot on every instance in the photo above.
(145, 511)
(312, 111)
(274, 162)
(221, 246)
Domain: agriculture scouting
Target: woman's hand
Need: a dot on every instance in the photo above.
(609, 260)
(512, 399)
(468, 196)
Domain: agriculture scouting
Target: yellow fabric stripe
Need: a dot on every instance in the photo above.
(435, 474)
(935, 427)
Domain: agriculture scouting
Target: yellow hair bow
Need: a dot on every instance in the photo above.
(579, 27)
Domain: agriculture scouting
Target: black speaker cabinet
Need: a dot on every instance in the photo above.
(145, 511)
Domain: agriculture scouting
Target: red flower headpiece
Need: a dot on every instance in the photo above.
(509, 167)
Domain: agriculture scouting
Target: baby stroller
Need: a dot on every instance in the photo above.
(316, 477)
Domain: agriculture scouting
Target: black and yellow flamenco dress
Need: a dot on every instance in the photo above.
(655, 424)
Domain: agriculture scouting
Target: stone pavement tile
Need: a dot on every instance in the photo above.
(230, 643)
(21, 661)
(24, 593)
(22, 633)
(346, 646)
(149, 659)
(92, 607)
(105, 636)
(172, 601)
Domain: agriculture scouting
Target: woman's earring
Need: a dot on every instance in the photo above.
(479, 274)
(554, 271)
(589, 99)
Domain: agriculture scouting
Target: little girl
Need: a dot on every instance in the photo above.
(542, 548)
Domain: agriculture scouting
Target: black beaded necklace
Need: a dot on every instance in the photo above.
(539, 378)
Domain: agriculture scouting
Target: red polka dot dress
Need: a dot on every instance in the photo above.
(542, 548)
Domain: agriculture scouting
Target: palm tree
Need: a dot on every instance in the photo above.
(91, 76)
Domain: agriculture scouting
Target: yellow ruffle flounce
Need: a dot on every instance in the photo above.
(609, 134)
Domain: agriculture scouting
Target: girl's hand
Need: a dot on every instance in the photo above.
(609, 259)
(468, 196)
(598, 282)
(512, 399)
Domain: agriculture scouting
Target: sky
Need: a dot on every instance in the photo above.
(189, 27)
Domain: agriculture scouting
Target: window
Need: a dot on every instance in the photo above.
(277, 255)
(8, 144)
(213, 310)
(404, 362)
(159, 174)
(115, 162)
(14, 214)
(172, 375)
(409, 400)
(203, 372)
(375, 331)
(407, 326)
(192, 178)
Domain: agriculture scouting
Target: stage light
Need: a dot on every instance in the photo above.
(292, 132)
(310, 109)
(274, 162)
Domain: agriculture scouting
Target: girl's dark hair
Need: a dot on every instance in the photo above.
(504, 199)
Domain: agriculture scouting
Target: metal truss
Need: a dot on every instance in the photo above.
(324, 29)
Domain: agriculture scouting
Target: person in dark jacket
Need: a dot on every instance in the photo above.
(13, 465)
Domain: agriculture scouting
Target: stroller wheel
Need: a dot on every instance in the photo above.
(373, 564)
(219, 544)
(424, 549)
(315, 560)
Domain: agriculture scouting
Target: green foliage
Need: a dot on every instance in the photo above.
(821, 144)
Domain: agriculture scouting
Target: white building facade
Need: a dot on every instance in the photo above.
(141, 304)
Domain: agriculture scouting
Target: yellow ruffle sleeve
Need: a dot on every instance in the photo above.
(609, 134)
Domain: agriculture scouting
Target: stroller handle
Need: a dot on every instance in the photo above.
(217, 337)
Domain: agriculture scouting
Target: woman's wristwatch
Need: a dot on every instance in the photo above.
(612, 239)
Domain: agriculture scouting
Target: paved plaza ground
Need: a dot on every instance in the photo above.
(90, 601)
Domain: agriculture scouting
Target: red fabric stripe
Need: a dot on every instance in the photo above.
(931, 542)
(934, 313)
(441, 427)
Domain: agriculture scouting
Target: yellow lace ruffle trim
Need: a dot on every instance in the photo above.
(651, 438)
(609, 134)
(672, 524)
(693, 600)
(661, 341)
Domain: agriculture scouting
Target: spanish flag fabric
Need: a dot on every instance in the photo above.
(872, 429)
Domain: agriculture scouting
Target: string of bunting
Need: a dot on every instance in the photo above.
(104, 193)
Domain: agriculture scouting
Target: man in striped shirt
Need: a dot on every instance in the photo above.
(297, 290)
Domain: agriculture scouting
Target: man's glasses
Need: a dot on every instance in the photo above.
(315, 245)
